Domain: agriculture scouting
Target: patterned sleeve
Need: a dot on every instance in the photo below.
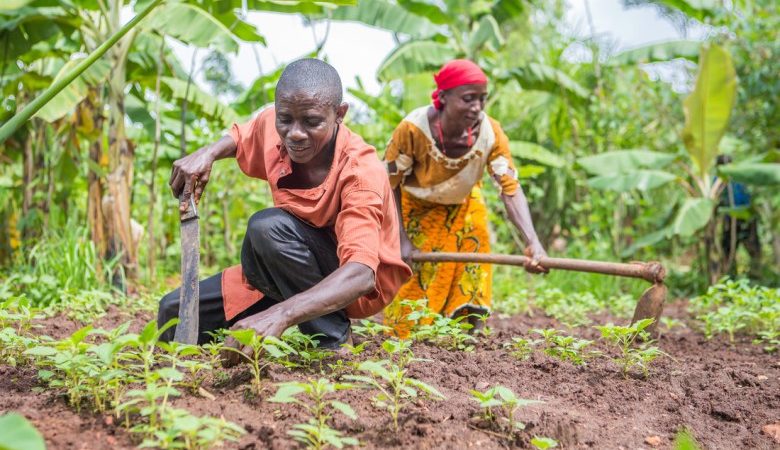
(399, 155)
(500, 165)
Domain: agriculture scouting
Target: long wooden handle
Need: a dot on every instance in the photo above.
(653, 272)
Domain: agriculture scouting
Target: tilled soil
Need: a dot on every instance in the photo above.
(724, 393)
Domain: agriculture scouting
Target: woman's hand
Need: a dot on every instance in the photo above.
(536, 253)
(408, 250)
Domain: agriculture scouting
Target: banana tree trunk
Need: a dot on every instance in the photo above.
(116, 204)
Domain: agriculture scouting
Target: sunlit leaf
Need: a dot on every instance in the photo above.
(623, 161)
(708, 107)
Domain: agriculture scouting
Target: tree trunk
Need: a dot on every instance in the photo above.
(116, 204)
(95, 191)
(152, 250)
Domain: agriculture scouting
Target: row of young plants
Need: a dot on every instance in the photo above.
(734, 307)
(135, 377)
(629, 347)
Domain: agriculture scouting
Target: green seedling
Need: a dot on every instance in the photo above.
(306, 350)
(356, 350)
(175, 354)
(451, 334)
(180, 429)
(152, 401)
(264, 350)
(18, 314)
(394, 389)
(19, 434)
(312, 397)
(543, 443)
(521, 348)
(735, 307)
(369, 328)
(623, 339)
(70, 366)
(499, 404)
(566, 348)
(400, 352)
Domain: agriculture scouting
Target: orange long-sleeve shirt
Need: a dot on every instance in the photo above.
(355, 200)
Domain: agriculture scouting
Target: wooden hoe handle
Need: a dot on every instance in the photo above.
(652, 272)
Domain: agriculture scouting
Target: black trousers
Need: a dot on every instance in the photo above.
(281, 257)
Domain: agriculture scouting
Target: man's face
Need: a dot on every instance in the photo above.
(465, 101)
(306, 123)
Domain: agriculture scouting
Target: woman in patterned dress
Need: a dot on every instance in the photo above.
(435, 161)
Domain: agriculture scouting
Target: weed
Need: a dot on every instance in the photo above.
(306, 350)
(623, 338)
(566, 348)
(394, 388)
(261, 346)
(369, 328)
(442, 331)
(180, 429)
(399, 351)
(733, 307)
(543, 443)
(499, 404)
(316, 433)
(521, 348)
(356, 350)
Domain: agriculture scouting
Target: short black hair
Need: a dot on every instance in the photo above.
(723, 159)
(312, 76)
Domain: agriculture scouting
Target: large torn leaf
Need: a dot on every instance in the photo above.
(663, 51)
(535, 152)
(74, 93)
(414, 57)
(207, 103)
(622, 161)
(388, 16)
(762, 174)
(192, 25)
(694, 214)
(546, 78)
(639, 179)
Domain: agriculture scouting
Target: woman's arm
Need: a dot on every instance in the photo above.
(520, 215)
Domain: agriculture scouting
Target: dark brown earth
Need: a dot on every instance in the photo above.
(724, 393)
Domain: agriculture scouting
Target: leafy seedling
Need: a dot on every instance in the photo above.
(263, 350)
(543, 443)
(566, 348)
(623, 339)
(499, 404)
(312, 397)
(521, 348)
(369, 328)
(306, 350)
(394, 389)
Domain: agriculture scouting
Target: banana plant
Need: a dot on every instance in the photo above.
(707, 112)
(430, 33)
(114, 49)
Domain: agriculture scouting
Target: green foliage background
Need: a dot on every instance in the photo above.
(556, 109)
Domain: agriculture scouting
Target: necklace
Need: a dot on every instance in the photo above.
(441, 135)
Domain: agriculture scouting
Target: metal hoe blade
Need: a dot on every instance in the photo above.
(187, 329)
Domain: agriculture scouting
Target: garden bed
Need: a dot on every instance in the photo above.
(723, 393)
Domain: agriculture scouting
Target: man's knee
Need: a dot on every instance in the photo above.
(168, 308)
(269, 228)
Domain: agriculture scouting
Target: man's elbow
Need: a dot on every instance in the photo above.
(365, 281)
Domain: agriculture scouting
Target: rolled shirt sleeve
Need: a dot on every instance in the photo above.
(399, 155)
(251, 138)
(500, 165)
(358, 228)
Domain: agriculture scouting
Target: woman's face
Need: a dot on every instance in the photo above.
(465, 103)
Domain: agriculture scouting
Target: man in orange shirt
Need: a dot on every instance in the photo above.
(329, 249)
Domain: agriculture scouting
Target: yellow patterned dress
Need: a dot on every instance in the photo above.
(444, 211)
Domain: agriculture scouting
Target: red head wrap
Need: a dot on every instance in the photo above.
(457, 72)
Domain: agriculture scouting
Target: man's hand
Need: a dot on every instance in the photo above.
(271, 322)
(536, 253)
(191, 174)
(407, 250)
